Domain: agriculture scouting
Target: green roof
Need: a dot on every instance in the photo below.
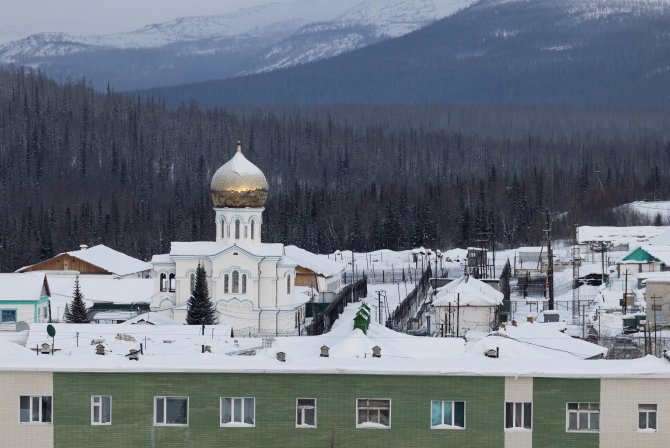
(640, 255)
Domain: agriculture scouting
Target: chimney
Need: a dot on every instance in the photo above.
(514, 323)
(529, 319)
(324, 351)
(491, 353)
(281, 356)
(83, 246)
(99, 349)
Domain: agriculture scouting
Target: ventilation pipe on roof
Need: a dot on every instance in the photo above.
(83, 246)
(281, 356)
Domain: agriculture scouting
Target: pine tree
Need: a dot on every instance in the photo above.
(200, 308)
(78, 312)
(67, 315)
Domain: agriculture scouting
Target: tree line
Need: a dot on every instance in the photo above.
(81, 167)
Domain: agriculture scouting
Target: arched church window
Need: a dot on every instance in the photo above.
(173, 283)
(225, 284)
(163, 281)
(253, 228)
(244, 283)
(237, 229)
(223, 228)
(192, 281)
(288, 284)
(236, 282)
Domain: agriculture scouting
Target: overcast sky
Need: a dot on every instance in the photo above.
(20, 18)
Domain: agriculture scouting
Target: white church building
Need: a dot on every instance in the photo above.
(251, 283)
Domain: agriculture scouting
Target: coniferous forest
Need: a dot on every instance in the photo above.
(81, 167)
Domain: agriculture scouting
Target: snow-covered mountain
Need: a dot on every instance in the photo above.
(249, 40)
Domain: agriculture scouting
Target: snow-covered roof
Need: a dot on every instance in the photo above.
(152, 319)
(161, 258)
(467, 291)
(620, 235)
(320, 264)
(28, 286)
(103, 289)
(110, 260)
(210, 248)
(546, 338)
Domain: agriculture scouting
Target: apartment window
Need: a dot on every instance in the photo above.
(446, 414)
(647, 417)
(173, 283)
(240, 412)
(35, 409)
(236, 282)
(305, 413)
(8, 316)
(171, 411)
(518, 415)
(164, 285)
(244, 283)
(101, 410)
(373, 413)
(583, 416)
(225, 284)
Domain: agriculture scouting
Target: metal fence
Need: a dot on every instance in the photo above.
(322, 322)
(406, 317)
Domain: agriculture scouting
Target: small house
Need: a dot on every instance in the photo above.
(645, 259)
(23, 298)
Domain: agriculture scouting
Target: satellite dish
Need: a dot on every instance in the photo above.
(51, 330)
(22, 326)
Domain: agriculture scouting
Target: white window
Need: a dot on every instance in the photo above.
(253, 228)
(647, 417)
(518, 415)
(371, 413)
(244, 283)
(239, 412)
(225, 284)
(35, 409)
(192, 277)
(163, 281)
(446, 414)
(170, 411)
(237, 229)
(236, 282)
(101, 410)
(583, 416)
(305, 413)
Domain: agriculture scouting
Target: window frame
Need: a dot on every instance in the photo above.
(40, 411)
(9, 310)
(244, 284)
(191, 279)
(578, 411)
(165, 398)
(523, 415)
(232, 423)
(377, 425)
(253, 228)
(303, 425)
(443, 426)
(100, 405)
(235, 277)
(647, 412)
(288, 284)
(163, 282)
(226, 284)
(237, 229)
(172, 282)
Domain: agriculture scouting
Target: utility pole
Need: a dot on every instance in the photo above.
(550, 264)
(625, 294)
(576, 260)
(653, 307)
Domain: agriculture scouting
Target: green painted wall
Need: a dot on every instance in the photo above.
(550, 396)
(132, 409)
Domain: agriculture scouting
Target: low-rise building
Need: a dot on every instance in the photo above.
(23, 298)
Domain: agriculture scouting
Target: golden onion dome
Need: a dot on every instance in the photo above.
(239, 183)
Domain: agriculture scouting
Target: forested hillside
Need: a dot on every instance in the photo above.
(78, 167)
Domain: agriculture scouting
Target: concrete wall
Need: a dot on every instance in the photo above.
(518, 390)
(660, 289)
(619, 412)
(476, 318)
(24, 435)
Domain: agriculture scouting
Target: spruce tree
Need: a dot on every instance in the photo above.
(78, 312)
(200, 308)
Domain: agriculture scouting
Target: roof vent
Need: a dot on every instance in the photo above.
(133, 355)
(45, 349)
(83, 246)
(529, 319)
(493, 353)
(514, 323)
(324, 351)
(281, 356)
(376, 351)
(99, 349)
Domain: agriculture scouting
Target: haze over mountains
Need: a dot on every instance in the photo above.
(583, 53)
(250, 40)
